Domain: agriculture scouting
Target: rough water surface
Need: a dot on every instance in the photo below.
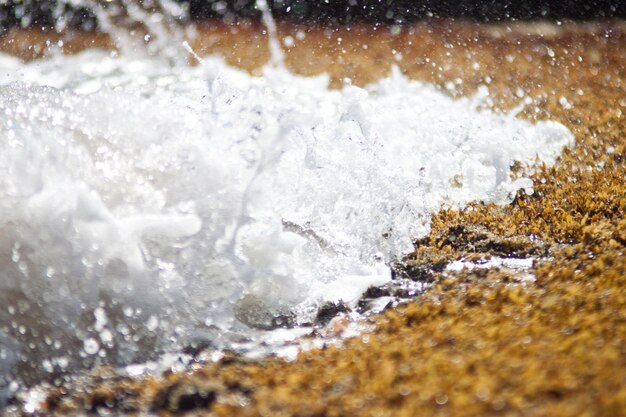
(145, 204)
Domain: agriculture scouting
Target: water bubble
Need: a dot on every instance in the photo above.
(152, 323)
(441, 399)
(288, 41)
(61, 361)
(106, 337)
(565, 103)
(30, 408)
(91, 346)
(47, 366)
(128, 311)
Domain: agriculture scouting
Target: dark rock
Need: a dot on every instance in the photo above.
(187, 395)
(328, 311)
(198, 346)
(377, 292)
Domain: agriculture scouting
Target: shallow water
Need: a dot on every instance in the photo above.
(146, 203)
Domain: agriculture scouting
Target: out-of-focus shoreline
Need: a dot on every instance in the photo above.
(358, 53)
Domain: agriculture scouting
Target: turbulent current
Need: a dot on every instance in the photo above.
(145, 203)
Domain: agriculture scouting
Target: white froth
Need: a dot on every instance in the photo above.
(139, 201)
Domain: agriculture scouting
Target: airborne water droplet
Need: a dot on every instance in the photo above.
(91, 346)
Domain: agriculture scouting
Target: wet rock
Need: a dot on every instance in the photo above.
(375, 305)
(477, 239)
(253, 312)
(423, 267)
(377, 292)
(187, 395)
(199, 345)
(329, 311)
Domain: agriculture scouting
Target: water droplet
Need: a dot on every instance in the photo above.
(152, 323)
(288, 41)
(441, 399)
(91, 346)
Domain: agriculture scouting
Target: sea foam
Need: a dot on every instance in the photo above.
(144, 204)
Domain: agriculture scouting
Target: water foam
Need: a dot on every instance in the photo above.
(144, 203)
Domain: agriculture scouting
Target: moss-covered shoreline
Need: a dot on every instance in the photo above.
(476, 342)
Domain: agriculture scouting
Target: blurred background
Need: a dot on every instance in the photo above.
(42, 13)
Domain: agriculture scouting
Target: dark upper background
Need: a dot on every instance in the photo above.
(41, 12)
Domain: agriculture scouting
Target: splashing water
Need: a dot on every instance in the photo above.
(277, 57)
(137, 27)
(145, 202)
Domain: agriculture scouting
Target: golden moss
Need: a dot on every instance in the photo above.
(476, 343)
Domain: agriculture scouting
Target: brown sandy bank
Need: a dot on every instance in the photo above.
(476, 343)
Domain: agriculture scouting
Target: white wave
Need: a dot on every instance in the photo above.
(140, 201)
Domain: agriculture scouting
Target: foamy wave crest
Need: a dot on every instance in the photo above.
(143, 204)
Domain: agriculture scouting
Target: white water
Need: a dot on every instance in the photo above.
(144, 204)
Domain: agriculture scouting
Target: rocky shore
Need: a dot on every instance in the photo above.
(478, 342)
